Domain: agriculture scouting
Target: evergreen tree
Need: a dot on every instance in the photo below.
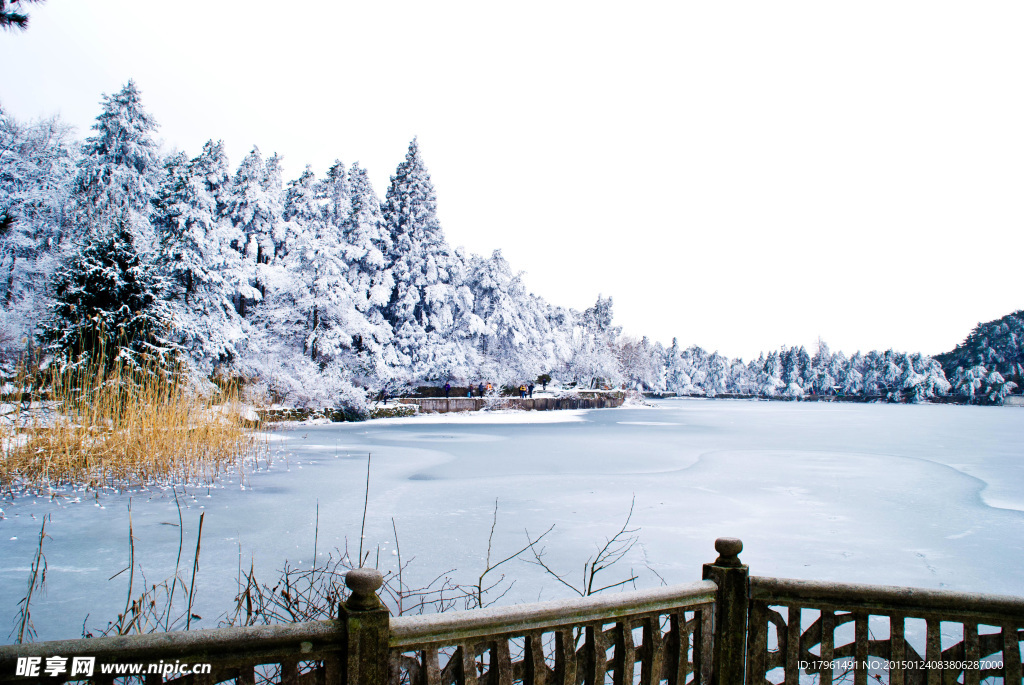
(717, 375)
(806, 371)
(37, 170)
(314, 292)
(254, 206)
(430, 306)
(677, 378)
(998, 345)
(511, 328)
(196, 256)
(853, 375)
(822, 374)
(107, 307)
(771, 383)
(366, 242)
(120, 167)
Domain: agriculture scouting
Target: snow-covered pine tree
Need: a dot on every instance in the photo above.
(367, 245)
(37, 170)
(120, 167)
(770, 382)
(677, 379)
(873, 364)
(741, 380)
(430, 306)
(997, 388)
(891, 374)
(717, 379)
(821, 374)
(513, 333)
(806, 372)
(108, 307)
(354, 207)
(853, 382)
(789, 359)
(935, 382)
(254, 206)
(998, 345)
(593, 360)
(195, 254)
(970, 382)
(313, 287)
(301, 344)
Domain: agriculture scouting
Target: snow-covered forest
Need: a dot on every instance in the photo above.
(318, 292)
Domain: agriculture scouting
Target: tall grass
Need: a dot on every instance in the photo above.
(123, 426)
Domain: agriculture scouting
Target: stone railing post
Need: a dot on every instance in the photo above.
(365, 630)
(728, 665)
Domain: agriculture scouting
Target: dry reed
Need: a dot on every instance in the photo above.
(126, 426)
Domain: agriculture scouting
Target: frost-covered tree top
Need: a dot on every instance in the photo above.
(365, 228)
(120, 162)
(411, 205)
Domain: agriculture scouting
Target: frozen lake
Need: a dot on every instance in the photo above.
(929, 496)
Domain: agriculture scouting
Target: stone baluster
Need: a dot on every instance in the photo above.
(728, 665)
(365, 630)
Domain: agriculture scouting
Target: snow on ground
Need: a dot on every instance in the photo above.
(927, 496)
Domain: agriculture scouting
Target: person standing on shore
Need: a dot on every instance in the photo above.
(447, 389)
(530, 388)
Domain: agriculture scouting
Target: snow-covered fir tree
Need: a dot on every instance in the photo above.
(313, 285)
(196, 256)
(998, 345)
(120, 167)
(254, 206)
(431, 307)
(593, 361)
(514, 338)
(37, 170)
(108, 307)
(367, 245)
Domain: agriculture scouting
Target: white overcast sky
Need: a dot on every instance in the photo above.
(741, 175)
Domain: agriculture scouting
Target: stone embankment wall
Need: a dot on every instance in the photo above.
(403, 406)
(442, 405)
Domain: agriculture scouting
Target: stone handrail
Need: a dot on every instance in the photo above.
(923, 603)
(562, 642)
(729, 629)
(458, 626)
(780, 604)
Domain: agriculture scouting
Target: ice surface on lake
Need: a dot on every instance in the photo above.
(929, 496)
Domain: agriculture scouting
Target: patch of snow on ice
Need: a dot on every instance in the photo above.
(498, 416)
